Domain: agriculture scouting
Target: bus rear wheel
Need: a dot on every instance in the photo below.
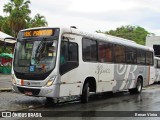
(85, 93)
(138, 88)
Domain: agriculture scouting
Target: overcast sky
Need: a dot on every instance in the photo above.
(92, 15)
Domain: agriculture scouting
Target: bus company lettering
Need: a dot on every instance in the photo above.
(126, 70)
(101, 70)
(124, 73)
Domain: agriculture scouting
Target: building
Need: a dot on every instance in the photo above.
(154, 42)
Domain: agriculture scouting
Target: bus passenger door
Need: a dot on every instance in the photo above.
(69, 66)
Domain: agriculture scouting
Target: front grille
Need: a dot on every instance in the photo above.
(34, 91)
(32, 76)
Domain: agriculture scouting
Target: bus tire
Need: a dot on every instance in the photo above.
(49, 100)
(138, 88)
(85, 93)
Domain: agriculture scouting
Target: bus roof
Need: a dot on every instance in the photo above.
(109, 38)
(98, 36)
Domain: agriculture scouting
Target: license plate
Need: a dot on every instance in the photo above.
(28, 93)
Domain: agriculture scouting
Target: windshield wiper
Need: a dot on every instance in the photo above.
(39, 49)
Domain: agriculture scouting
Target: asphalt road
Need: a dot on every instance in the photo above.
(148, 100)
(5, 81)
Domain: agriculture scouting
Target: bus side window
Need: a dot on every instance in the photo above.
(73, 52)
(141, 57)
(105, 52)
(68, 56)
(158, 66)
(64, 52)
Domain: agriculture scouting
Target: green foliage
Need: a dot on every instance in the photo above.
(5, 49)
(18, 17)
(38, 21)
(135, 33)
(4, 25)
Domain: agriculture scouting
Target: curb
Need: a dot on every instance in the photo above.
(5, 89)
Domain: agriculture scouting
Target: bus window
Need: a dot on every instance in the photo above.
(119, 52)
(141, 57)
(68, 52)
(149, 58)
(105, 52)
(73, 52)
(89, 50)
(131, 55)
(64, 52)
(155, 63)
(68, 56)
(158, 64)
(156, 50)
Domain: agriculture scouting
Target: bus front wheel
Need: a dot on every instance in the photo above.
(138, 88)
(85, 93)
(49, 100)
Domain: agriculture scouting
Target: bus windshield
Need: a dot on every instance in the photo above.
(35, 55)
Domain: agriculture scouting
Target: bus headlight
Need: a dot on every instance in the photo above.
(50, 81)
(13, 80)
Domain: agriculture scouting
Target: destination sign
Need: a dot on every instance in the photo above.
(38, 33)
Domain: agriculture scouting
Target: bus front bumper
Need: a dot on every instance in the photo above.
(51, 91)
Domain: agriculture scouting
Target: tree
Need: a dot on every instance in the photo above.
(18, 17)
(135, 33)
(4, 25)
(18, 11)
(38, 21)
(1, 22)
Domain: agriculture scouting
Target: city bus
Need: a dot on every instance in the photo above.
(59, 62)
(157, 69)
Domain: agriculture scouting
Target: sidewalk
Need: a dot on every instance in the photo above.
(5, 82)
